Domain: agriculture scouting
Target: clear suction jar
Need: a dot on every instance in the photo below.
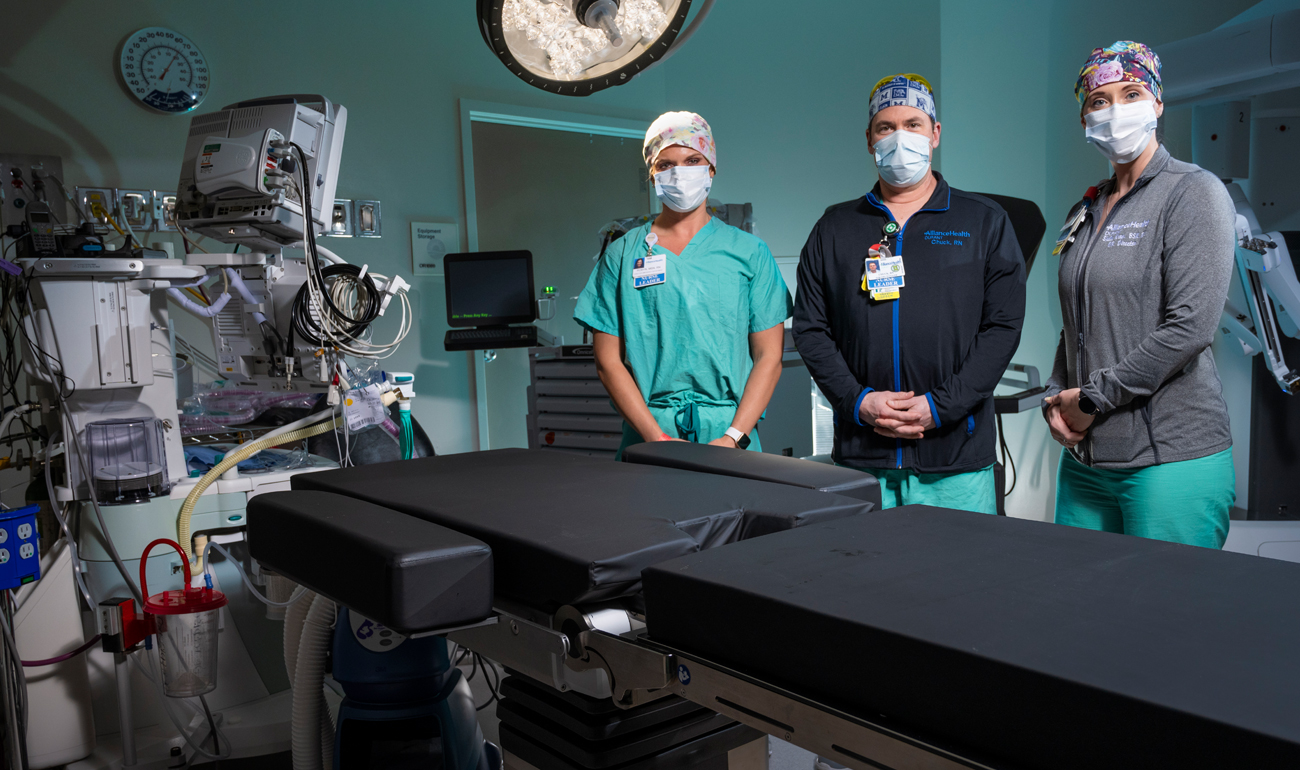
(128, 461)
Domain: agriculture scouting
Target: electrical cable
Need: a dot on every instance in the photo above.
(1008, 459)
(77, 575)
(317, 315)
(15, 660)
(72, 446)
(60, 658)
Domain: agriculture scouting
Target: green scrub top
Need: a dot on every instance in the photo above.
(687, 339)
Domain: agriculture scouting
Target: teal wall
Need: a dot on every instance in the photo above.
(784, 85)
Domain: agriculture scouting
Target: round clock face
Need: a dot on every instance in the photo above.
(164, 70)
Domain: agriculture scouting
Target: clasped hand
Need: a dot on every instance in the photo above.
(897, 415)
(1067, 422)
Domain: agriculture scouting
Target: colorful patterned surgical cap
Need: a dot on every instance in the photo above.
(684, 128)
(903, 90)
(1124, 60)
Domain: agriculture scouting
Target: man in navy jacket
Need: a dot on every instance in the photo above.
(910, 371)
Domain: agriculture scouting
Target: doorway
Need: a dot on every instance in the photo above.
(545, 182)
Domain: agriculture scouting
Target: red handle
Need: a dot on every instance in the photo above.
(144, 560)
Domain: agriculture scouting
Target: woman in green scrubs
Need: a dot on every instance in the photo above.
(688, 313)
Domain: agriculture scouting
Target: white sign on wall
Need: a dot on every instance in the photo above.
(430, 242)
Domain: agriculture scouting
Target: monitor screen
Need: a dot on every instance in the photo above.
(489, 288)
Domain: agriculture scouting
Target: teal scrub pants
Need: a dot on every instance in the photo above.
(1184, 502)
(974, 491)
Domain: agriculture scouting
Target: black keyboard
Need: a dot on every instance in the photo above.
(491, 337)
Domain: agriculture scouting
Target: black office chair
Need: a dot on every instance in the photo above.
(1027, 220)
(1029, 225)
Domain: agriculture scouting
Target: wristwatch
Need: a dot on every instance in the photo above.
(742, 441)
(1087, 406)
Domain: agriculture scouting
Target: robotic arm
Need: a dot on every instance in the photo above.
(1272, 291)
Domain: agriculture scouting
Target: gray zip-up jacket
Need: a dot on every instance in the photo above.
(1141, 299)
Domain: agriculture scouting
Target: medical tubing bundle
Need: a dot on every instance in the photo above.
(293, 620)
(317, 315)
(216, 307)
(308, 731)
(297, 594)
(305, 322)
(294, 431)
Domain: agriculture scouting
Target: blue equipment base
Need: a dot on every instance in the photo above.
(406, 706)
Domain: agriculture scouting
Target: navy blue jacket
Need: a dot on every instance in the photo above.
(949, 336)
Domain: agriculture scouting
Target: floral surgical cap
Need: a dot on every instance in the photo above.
(1120, 61)
(903, 90)
(684, 128)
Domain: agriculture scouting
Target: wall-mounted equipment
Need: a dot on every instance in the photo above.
(239, 182)
(341, 223)
(164, 71)
(579, 47)
(369, 222)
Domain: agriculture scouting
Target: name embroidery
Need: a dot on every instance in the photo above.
(1127, 234)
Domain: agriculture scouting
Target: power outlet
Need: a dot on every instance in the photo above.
(137, 208)
(99, 203)
(18, 186)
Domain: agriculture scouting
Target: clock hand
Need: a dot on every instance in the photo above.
(169, 66)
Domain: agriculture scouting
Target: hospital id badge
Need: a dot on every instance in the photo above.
(883, 272)
(1069, 229)
(650, 270)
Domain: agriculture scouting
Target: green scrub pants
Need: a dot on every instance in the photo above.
(974, 491)
(1184, 502)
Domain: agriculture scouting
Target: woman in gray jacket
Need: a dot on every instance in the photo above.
(1146, 259)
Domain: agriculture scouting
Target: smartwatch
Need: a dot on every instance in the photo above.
(742, 441)
(1087, 406)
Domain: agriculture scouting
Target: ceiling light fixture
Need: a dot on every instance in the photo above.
(579, 47)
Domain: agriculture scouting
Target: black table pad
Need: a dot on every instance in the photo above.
(777, 469)
(1032, 644)
(406, 573)
(567, 529)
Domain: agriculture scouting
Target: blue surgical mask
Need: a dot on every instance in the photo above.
(683, 188)
(903, 158)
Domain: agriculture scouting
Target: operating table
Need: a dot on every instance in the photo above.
(910, 637)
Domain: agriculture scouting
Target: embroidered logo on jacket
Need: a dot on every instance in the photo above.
(945, 237)
(1127, 234)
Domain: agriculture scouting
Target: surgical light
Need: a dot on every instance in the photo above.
(578, 47)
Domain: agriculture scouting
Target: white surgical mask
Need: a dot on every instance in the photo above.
(1122, 131)
(903, 158)
(683, 188)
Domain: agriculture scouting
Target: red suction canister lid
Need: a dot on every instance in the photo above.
(186, 602)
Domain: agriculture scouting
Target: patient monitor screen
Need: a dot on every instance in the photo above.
(489, 288)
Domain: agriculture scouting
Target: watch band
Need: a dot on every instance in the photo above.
(742, 441)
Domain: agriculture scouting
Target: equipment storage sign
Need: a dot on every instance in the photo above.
(430, 242)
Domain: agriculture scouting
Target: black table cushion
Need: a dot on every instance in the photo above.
(777, 469)
(408, 574)
(566, 529)
(1029, 643)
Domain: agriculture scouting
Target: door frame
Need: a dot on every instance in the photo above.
(473, 111)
